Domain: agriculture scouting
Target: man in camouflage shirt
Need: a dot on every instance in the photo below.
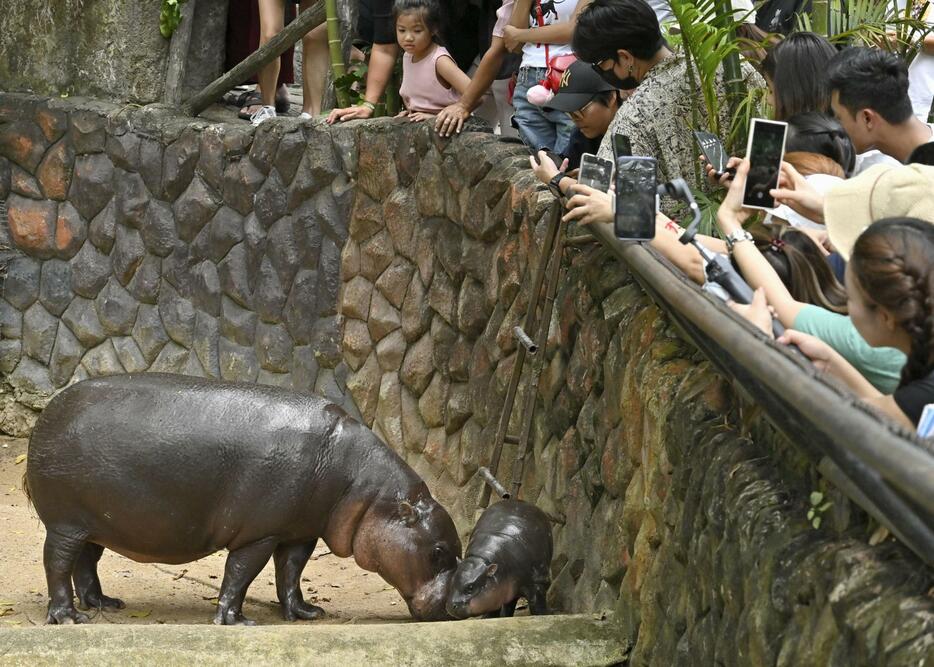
(623, 42)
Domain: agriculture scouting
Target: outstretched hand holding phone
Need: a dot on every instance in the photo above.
(797, 194)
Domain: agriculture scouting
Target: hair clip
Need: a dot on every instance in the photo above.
(777, 245)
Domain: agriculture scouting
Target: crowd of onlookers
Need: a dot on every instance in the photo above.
(845, 261)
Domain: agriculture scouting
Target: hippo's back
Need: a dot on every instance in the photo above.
(173, 453)
(512, 530)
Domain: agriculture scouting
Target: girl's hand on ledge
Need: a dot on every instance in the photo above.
(415, 116)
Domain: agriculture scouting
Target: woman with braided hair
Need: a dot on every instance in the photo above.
(890, 285)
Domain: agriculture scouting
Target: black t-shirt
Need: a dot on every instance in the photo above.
(912, 397)
(578, 145)
(384, 32)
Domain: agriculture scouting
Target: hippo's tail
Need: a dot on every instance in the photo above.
(26, 490)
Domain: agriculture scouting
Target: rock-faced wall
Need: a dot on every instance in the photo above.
(696, 535)
(146, 243)
(377, 258)
(110, 49)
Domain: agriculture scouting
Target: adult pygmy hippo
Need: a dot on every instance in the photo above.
(168, 468)
(508, 557)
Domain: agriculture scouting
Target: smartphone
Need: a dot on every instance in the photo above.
(595, 172)
(621, 146)
(713, 151)
(636, 201)
(766, 150)
(557, 159)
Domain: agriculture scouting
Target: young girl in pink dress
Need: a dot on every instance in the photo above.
(431, 80)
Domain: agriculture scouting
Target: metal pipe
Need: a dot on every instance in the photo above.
(554, 274)
(899, 459)
(524, 339)
(487, 476)
(550, 235)
(855, 433)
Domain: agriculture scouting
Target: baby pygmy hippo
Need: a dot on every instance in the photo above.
(508, 557)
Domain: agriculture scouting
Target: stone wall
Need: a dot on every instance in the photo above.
(696, 535)
(147, 243)
(110, 49)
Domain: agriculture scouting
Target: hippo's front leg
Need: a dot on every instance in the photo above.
(242, 566)
(290, 560)
(537, 600)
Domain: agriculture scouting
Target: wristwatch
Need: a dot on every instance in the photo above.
(555, 184)
(737, 236)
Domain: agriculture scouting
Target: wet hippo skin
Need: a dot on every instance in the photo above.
(170, 468)
(508, 558)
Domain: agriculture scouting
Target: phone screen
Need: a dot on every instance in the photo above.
(766, 149)
(621, 146)
(712, 148)
(595, 172)
(636, 182)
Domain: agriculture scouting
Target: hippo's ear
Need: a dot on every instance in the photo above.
(408, 513)
(491, 569)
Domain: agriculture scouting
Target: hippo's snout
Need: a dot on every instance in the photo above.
(457, 610)
(428, 603)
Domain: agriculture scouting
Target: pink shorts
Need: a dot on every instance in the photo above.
(503, 14)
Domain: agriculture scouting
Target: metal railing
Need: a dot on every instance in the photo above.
(880, 466)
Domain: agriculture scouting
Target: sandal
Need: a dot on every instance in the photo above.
(251, 99)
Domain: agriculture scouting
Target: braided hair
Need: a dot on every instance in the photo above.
(893, 262)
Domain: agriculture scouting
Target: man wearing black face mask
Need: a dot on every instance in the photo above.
(622, 41)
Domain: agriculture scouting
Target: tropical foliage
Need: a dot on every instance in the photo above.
(890, 24)
(170, 16)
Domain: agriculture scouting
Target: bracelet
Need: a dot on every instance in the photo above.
(737, 236)
(368, 105)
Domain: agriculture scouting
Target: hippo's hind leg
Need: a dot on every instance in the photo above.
(87, 583)
(290, 560)
(242, 566)
(61, 552)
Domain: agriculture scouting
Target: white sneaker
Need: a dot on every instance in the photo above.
(264, 113)
(304, 115)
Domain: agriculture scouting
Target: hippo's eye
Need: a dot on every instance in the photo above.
(469, 589)
(438, 553)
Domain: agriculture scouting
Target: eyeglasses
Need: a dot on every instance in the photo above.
(579, 114)
(596, 66)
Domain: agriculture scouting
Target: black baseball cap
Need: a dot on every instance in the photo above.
(579, 85)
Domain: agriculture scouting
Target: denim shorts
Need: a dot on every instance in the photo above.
(538, 128)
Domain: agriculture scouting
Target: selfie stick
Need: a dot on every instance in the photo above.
(719, 269)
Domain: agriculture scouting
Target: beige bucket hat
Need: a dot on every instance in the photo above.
(882, 191)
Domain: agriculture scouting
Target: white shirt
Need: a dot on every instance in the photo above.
(921, 74)
(553, 11)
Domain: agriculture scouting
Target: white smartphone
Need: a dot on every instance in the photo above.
(595, 172)
(765, 152)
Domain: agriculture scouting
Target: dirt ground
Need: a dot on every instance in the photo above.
(169, 593)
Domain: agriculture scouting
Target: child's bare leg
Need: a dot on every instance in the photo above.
(315, 62)
(271, 22)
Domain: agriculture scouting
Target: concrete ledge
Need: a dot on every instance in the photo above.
(530, 640)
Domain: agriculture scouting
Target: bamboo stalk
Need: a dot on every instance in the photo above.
(308, 19)
(335, 49)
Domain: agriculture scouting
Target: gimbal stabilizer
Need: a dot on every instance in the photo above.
(718, 269)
